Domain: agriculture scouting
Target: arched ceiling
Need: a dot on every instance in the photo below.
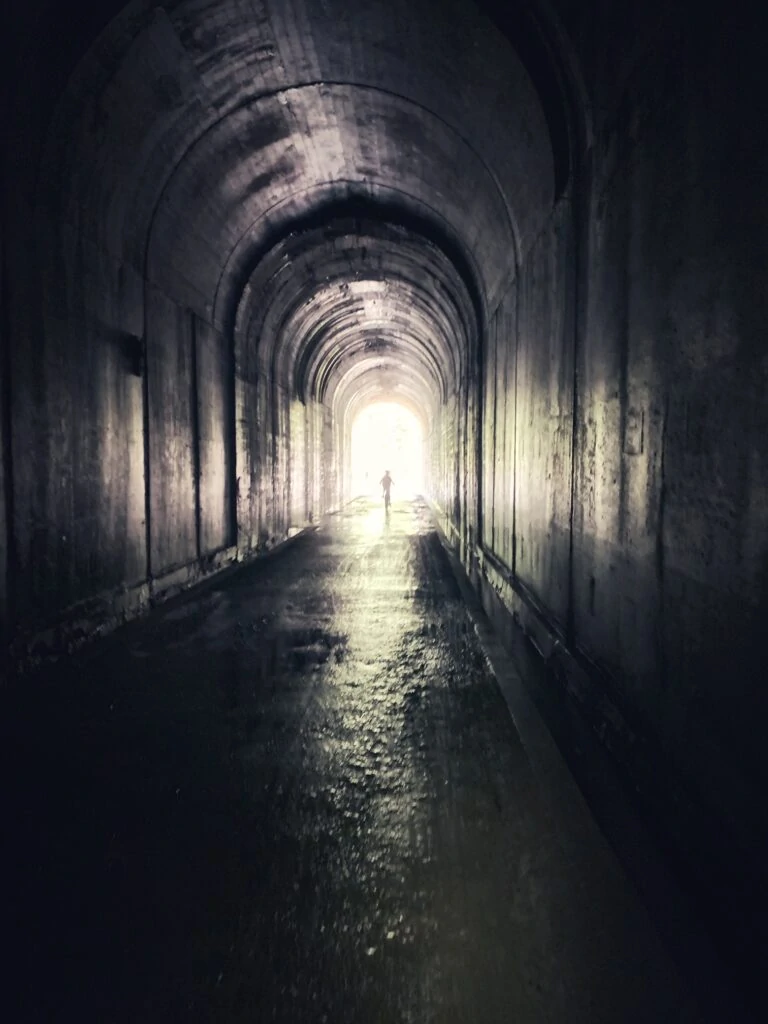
(358, 300)
(204, 141)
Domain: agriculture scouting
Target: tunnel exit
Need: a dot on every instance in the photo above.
(387, 436)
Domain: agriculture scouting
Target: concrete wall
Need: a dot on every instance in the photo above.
(215, 453)
(77, 442)
(675, 376)
(6, 503)
(447, 438)
(120, 475)
(527, 420)
(102, 395)
(629, 532)
(283, 454)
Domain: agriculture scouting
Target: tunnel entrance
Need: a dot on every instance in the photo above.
(387, 435)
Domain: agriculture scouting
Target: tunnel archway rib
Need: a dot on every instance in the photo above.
(190, 81)
(361, 211)
(365, 385)
(357, 304)
(381, 291)
(264, 167)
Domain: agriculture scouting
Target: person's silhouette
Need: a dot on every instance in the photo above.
(386, 483)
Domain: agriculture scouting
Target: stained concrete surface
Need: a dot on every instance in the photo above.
(298, 795)
(191, 319)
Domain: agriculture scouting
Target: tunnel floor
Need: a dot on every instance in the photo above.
(298, 795)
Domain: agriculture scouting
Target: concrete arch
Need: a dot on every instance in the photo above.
(286, 304)
(354, 303)
(164, 108)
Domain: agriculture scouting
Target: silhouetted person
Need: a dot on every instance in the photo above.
(386, 482)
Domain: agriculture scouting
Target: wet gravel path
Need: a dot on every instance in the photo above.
(298, 796)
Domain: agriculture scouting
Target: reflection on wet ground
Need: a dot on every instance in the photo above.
(298, 796)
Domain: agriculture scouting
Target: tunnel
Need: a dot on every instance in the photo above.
(255, 254)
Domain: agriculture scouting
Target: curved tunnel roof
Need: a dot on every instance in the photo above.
(348, 185)
(357, 300)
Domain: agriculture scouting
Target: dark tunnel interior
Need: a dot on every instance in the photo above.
(233, 229)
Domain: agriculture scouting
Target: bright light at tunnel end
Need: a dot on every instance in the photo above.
(387, 436)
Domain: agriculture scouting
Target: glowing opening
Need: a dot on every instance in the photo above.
(387, 435)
